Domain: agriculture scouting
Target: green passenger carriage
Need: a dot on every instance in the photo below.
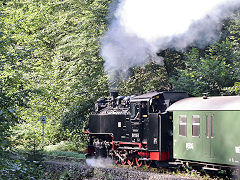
(207, 130)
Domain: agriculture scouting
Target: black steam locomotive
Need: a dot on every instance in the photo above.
(133, 130)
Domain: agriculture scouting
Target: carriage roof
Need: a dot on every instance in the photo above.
(228, 103)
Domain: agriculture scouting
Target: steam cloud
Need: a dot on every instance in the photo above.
(141, 28)
(100, 162)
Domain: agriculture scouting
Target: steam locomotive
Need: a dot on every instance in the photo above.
(133, 130)
(166, 127)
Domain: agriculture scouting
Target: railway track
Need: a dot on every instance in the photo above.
(104, 169)
(57, 165)
(107, 168)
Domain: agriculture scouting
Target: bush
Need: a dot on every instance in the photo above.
(66, 146)
(19, 169)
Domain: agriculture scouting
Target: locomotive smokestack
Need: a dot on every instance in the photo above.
(114, 94)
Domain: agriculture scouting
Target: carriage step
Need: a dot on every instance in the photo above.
(144, 159)
(175, 163)
(210, 168)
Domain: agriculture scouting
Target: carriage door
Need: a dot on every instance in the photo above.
(209, 135)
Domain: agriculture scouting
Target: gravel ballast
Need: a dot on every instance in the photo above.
(80, 170)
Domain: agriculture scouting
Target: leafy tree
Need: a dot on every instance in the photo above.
(151, 76)
(215, 68)
(235, 90)
(219, 68)
(63, 63)
(13, 93)
(172, 60)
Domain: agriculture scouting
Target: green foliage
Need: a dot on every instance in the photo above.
(235, 90)
(60, 44)
(63, 148)
(211, 72)
(13, 91)
(13, 95)
(75, 119)
(172, 60)
(152, 76)
(69, 146)
(215, 68)
(19, 169)
(27, 137)
(49, 62)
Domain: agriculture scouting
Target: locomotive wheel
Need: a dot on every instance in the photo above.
(147, 163)
(123, 162)
(117, 160)
(138, 162)
(130, 162)
(123, 154)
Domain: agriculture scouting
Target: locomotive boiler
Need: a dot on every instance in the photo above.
(133, 130)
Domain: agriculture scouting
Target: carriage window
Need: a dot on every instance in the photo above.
(196, 126)
(207, 126)
(183, 125)
(212, 131)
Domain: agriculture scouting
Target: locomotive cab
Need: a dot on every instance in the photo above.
(151, 124)
(139, 116)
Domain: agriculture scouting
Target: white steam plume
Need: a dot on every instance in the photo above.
(100, 162)
(141, 28)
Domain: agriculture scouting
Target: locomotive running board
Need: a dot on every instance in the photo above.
(130, 148)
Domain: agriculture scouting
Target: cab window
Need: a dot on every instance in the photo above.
(133, 110)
